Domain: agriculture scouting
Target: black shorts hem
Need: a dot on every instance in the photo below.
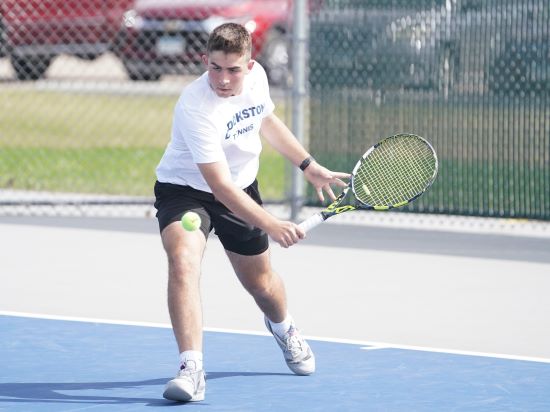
(251, 247)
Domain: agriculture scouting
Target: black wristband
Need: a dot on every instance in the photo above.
(306, 162)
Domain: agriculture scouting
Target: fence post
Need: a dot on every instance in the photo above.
(299, 57)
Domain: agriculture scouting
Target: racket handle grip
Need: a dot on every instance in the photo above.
(312, 222)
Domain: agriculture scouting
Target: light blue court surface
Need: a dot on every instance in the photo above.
(58, 365)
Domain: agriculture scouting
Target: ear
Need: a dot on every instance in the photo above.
(205, 59)
(250, 65)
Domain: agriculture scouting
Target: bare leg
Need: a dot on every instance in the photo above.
(267, 289)
(184, 251)
(259, 279)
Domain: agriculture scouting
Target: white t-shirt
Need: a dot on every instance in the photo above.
(207, 128)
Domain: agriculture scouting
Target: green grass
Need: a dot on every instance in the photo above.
(493, 152)
(105, 170)
(64, 120)
(87, 143)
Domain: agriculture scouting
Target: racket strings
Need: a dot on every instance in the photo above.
(396, 171)
(408, 172)
(403, 177)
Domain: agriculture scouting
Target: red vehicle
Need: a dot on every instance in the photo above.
(169, 36)
(35, 31)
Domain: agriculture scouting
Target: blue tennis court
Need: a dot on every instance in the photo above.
(481, 299)
(65, 365)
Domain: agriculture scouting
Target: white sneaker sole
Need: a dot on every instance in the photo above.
(175, 391)
(303, 368)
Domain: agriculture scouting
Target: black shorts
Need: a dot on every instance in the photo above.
(173, 201)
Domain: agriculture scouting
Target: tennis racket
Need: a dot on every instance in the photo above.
(391, 174)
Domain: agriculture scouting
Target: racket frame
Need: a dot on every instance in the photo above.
(348, 201)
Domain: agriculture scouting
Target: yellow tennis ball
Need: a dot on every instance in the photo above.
(191, 221)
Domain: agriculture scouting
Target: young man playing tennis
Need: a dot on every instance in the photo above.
(210, 167)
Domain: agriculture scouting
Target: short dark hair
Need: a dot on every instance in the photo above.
(230, 38)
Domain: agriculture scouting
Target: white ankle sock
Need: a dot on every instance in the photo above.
(282, 327)
(191, 359)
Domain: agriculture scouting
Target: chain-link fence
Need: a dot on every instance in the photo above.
(472, 76)
(87, 90)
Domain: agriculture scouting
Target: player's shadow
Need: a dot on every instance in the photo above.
(59, 392)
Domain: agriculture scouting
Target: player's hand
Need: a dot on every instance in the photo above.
(321, 178)
(285, 233)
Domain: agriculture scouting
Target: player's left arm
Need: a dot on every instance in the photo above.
(279, 136)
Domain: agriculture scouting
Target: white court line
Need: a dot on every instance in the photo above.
(366, 345)
(81, 319)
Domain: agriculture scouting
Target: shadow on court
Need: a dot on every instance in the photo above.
(40, 392)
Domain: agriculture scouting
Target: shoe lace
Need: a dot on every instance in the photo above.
(293, 342)
(189, 365)
(188, 369)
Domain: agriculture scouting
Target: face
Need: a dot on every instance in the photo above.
(226, 72)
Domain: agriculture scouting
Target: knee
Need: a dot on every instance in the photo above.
(183, 267)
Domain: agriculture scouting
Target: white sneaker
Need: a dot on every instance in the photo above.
(298, 355)
(187, 386)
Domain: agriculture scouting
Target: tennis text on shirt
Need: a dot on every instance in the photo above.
(240, 116)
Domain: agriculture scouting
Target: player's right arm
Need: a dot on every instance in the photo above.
(235, 199)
